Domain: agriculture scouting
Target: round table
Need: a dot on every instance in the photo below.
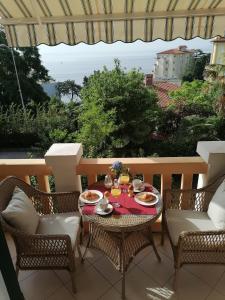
(121, 237)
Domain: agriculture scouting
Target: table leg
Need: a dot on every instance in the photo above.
(85, 251)
(153, 245)
(123, 286)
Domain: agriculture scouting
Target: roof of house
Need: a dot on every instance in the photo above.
(219, 39)
(175, 51)
(162, 89)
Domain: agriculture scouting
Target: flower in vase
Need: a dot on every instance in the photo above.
(117, 168)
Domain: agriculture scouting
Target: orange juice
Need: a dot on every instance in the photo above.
(115, 191)
(124, 179)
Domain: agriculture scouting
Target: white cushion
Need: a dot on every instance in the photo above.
(187, 220)
(216, 209)
(20, 213)
(63, 223)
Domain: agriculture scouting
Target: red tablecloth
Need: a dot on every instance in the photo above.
(127, 204)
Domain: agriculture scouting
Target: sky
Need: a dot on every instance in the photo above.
(75, 62)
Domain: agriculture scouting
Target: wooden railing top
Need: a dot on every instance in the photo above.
(155, 165)
(21, 167)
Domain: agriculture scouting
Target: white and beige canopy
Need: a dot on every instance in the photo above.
(34, 22)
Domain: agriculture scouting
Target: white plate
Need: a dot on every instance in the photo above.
(153, 202)
(140, 190)
(91, 202)
(102, 212)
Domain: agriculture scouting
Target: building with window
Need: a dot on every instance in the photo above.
(172, 64)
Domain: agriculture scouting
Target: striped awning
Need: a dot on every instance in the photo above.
(34, 22)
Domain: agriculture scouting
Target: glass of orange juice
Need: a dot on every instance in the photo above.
(124, 178)
(115, 189)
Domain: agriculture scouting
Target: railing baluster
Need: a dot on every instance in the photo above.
(92, 178)
(148, 178)
(43, 183)
(27, 179)
(186, 184)
(166, 181)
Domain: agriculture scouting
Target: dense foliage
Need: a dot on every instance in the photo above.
(31, 73)
(41, 126)
(118, 113)
(193, 116)
(118, 116)
(197, 66)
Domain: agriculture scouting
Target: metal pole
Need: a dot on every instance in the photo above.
(17, 77)
(18, 82)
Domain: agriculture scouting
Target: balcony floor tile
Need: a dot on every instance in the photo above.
(146, 279)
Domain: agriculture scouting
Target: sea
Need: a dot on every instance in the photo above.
(74, 62)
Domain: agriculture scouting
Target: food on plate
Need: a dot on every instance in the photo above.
(107, 194)
(146, 197)
(90, 196)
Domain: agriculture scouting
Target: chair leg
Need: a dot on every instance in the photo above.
(79, 252)
(17, 271)
(162, 232)
(175, 282)
(153, 246)
(72, 274)
(85, 251)
(123, 296)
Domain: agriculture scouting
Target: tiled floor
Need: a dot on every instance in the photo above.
(146, 279)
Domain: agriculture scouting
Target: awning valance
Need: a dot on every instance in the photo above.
(34, 22)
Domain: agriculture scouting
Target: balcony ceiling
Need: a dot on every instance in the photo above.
(35, 22)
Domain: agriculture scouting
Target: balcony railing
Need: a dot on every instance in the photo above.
(92, 167)
(164, 167)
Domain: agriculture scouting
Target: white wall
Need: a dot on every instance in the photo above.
(170, 66)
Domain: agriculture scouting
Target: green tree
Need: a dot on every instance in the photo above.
(191, 117)
(197, 66)
(196, 97)
(31, 73)
(117, 113)
(68, 87)
(215, 74)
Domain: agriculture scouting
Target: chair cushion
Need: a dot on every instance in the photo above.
(20, 213)
(63, 223)
(187, 220)
(216, 209)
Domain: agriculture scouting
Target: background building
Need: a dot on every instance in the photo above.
(172, 64)
(218, 53)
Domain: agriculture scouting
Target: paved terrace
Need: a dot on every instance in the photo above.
(146, 279)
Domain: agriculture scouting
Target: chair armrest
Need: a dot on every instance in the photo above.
(197, 199)
(202, 240)
(39, 244)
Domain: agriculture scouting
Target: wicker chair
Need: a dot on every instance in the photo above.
(43, 251)
(191, 244)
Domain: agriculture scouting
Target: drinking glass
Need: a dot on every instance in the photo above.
(115, 191)
(124, 178)
(108, 181)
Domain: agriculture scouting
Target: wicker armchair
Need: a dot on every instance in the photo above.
(43, 251)
(190, 244)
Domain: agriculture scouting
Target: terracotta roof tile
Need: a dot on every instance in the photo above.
(162, 89)
(175, 51)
